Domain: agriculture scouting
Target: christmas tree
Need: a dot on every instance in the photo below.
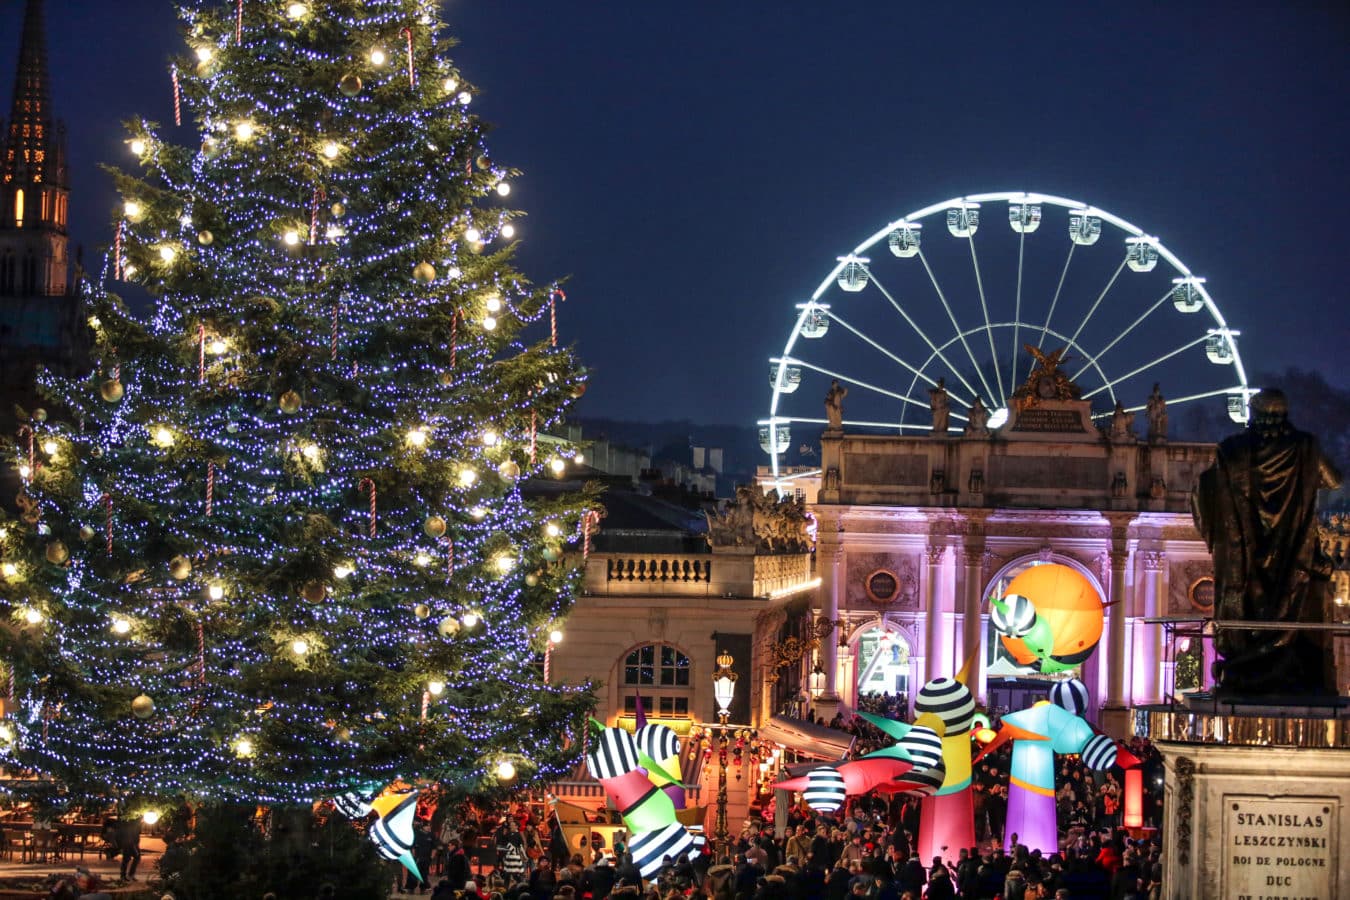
(276, 547)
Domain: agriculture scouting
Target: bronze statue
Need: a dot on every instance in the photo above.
(1156, 408)
(1256, 508)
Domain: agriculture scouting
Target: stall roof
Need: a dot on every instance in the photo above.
(806, 737)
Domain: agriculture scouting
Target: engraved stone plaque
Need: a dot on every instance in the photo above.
(1278, 848)
(887, 469)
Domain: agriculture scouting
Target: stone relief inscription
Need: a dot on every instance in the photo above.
(908, 469)
(859, 567)
(1283, 847)
(1053, 420)
(1016, 472)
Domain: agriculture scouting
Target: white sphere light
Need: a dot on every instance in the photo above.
(506, 770)
(555, 636)
(489, 323)
(204, 54)
(493, 303)
(243, 748)
(244, 131)
(291, 238)
(120, 626)
(464, 98)
(377, 56)
(451, 85)
(508, 230)
(150, 816)
(138, 147)
(478, 513)
(331, 150)
(503, 188)
(299, 646)
(552, 529)
(469, 619)
(490, 438)
(473, 235)
(467, 477)
(132, 210)
(297, 10)
(341, 570)
(32, 616)
(557, 465)
(215, 592)
(435, 687)
(167, 253)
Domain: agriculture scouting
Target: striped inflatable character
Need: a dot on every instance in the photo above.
(659, 747)
(648, 812)
(392, 832)
(825, 789)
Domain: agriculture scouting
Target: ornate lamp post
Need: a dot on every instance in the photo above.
(724, 690)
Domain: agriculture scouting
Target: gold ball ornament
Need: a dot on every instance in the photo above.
(422, 611)
(180, 567)
(350, 84)
(434, 526)
(449, 626)
(338, 209)
(314, 591)
(205, 238)
(57, 554)
(447, 379)
(424, 272)
(111, 391)
(343, 735)
(96, 452)
(578, 390)
(484, 163)
(509, 469)
(143, 707)
(289, 403)
(39, 415)
(532, 580)
(87, 532)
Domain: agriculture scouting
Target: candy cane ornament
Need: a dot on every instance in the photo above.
(201, 353)
(118, 268)
(177, 98)
(239, 24)
(363, 484)
(412, 74)
(108, 521)
(553, 297)
(210, 485)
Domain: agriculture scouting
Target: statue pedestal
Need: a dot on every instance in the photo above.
(1257, 801)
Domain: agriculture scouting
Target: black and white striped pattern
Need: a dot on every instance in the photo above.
(1019, 618)
(929, 780)
(393, 834)
(615, 753)
(1070, 694)
(658, 742)
(949, 700)
(1099, 754)
(352, 805)
(650, 848)
(824, 789)
(923, 746)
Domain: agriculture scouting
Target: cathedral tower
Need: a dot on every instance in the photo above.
(33, 180)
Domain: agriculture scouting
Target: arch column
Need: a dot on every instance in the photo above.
(932, 616)
(1154, 562)
(831, 556)
(972, 557)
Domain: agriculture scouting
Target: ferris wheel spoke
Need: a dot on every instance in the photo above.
(955, 325)
(858, 423)
(1017, 310)
(1146, 366)
(984, 308)
(1100, 297)
(917, 330)
(916, 372)
(1117, 339)
(858, 382)
(1054, 301)
(1177, 401)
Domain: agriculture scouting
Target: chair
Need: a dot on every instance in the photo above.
(44, 846)
(16, 841)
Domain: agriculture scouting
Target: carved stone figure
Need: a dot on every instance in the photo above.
(761, 521)
(1157, 416)
(1256, 508)
(1122, 424)
(1119, 485)
(834, 405)
(831, 481)
(1047, 381)
(977, 421)
(941, 407)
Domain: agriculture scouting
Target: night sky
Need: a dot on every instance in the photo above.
(695, 168)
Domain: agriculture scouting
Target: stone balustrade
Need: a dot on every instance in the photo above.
(735, 572)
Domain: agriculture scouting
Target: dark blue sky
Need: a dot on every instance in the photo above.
(697, 167)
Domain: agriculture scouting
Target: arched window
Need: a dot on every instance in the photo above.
(660, 673)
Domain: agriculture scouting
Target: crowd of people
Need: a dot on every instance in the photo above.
(865, 852)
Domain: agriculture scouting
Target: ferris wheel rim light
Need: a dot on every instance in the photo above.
(1089, 215)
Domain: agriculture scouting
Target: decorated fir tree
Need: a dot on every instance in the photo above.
(276, 546)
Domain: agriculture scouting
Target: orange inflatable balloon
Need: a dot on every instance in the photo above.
(1070, 615)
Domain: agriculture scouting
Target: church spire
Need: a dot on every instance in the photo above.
(33, 185)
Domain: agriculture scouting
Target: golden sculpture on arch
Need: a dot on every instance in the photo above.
(1047, 380)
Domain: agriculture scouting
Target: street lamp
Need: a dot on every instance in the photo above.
(816, 681)
(724, 690)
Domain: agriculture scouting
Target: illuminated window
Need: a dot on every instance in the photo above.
(656, 664)
(18, 208)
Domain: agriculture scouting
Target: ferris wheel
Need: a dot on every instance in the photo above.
(949, 295)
